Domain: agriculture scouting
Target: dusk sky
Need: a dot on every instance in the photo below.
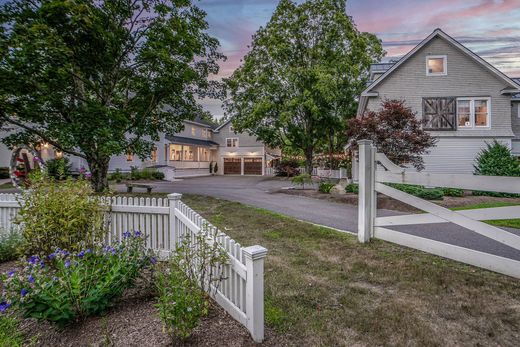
(491, 28)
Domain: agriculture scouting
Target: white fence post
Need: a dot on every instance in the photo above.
(254, 257)
(174, 199)
(366, 195)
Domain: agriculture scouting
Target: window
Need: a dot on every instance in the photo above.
(436, 65)
(188, 153)
(154, 155)
(204, 133)
(232, 142)
(58, 154)
(439, 114)
(473, 113)
(203, 154)
(176, 152)
(193, 131)
(129, 156)
(231, 129)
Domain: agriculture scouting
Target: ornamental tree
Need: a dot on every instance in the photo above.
(302, 76)
(396, 132)
(100, 78)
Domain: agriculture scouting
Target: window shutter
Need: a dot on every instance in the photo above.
(439, 114)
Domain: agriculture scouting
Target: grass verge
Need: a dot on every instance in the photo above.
(324, 288)
(510, 223)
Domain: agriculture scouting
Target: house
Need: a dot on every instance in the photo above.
(462, 100)
(188, 153)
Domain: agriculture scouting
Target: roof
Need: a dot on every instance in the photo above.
(516, 96)
(223, 124)
(201, 121)
(514, 86)
(189, 141)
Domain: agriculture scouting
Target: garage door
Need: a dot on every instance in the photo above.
(252, 166)
(232, 166)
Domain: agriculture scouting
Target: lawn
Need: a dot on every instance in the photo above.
(7, 185)
(324, 288)
(511, 223)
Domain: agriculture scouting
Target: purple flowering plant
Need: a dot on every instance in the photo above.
(63, 287)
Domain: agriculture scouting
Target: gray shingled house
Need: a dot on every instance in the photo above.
(462, 100)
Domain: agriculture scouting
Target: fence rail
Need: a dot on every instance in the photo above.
(165, 222)
(376, 169)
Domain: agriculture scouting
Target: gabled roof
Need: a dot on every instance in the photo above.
(223, 124)
(514, 86)
(190, 141)
(517, 96)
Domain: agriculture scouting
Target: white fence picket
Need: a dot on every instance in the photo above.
(153, 218)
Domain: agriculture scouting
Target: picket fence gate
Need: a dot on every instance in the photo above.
(375, 169)
(166, 222)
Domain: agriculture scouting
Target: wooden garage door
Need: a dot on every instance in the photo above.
(252, 166)
(232, 166)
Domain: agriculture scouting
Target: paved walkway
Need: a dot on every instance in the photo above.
(260, 192)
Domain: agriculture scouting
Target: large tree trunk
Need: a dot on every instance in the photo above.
(309, 151)
(99, 170)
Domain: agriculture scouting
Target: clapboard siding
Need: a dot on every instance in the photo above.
(456, 155)
(465, 78)
(515, 118)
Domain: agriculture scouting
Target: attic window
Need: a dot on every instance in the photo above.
(436, 65)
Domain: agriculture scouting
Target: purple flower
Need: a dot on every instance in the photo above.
(31, 279)
(23, 292)
(153, 260)
(36, 158)
(82, 170)
(81, 254)
(54, 278)
(67, 263)
(65, 253)
(4, 306)
(52, 256)
(127, 234)
(34, 259)
(137, 233)
(88, 175)
(42, 264)
(11, 273)
(88, 251)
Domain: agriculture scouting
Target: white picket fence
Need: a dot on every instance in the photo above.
(376, 169)
(165, 222)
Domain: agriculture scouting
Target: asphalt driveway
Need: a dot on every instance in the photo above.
(262, 192)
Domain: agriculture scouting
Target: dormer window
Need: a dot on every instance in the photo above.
(436, 65)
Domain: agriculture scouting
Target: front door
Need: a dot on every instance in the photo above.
(232, 166)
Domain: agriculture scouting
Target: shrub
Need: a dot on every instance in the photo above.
(287, 168)
(326, 187)
(194, 271)
(301, 180)
(59, 168)
(63, 287)
(10, 336)
(352, 188)
(117, 176)
(10, 242)
(211, 167)
(453, 192)
(430, 194)
(4, 172)
(157, 175)
(496, 160)
(215, 168)
(64, 215)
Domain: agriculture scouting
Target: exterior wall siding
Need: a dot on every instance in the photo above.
(515, 118)
(456, 155)
(465, 78)
(244, 139)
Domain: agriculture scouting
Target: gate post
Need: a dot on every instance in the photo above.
(174, 199)
(367, 194)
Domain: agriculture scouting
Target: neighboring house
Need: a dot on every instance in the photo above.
(188, 153)
(462, 100)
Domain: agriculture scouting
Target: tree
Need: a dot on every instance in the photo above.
(101, 78)
(396, 132)
(302, 76)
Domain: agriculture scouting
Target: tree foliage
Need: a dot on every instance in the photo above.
(396, 132)
(302, 76)
(101, 78)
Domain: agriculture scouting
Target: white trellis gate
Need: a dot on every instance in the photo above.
(375, 169)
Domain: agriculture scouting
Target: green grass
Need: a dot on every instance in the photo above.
(7, 185)
(10, 336)
(510, 223)
(323, 288)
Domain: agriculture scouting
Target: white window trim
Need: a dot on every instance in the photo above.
(445, 65)
(518, 110)
(472, 113)
(232, 138)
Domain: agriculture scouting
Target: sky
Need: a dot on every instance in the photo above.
(491, 28)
